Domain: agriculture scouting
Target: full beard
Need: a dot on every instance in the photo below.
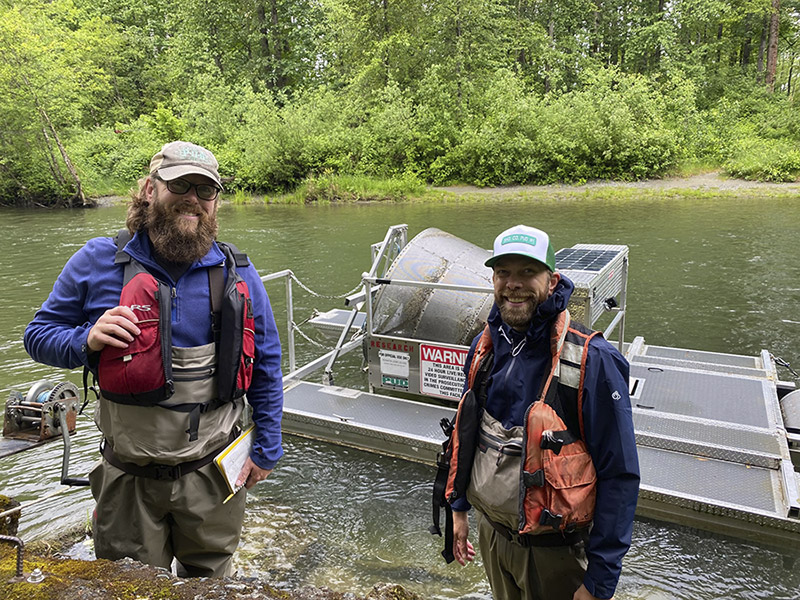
(174, 238)
(518, 317)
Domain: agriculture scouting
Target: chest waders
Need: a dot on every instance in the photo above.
(152, 374)
(552, 481)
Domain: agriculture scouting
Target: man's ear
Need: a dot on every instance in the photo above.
(149, 190)
(554, 279)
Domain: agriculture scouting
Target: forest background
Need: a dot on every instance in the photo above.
(300, 93)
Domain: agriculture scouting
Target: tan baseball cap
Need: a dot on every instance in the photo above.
(177, 159)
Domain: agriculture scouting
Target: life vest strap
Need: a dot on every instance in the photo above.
(555, 440)
(544, 540)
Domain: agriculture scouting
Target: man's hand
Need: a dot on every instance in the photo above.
(462, 548)
(116, 327)
(583, 594)
(251, 474)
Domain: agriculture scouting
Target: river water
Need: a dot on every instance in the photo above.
(711, 274)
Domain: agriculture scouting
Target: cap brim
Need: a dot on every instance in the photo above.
(491, 261)
(170, 173)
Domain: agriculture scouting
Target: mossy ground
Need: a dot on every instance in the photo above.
(67, 579)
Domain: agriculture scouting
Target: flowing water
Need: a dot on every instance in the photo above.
(711, 274)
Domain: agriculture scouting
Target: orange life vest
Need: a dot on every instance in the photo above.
(557, 483)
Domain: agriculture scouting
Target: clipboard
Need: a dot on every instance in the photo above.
(231, 460)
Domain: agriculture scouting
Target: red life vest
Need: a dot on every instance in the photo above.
(141, 374)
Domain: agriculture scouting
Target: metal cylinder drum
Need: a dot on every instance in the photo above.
(790, 405)
(447, 316)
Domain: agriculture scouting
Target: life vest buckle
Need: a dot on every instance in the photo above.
(548, 519)
(535, 479)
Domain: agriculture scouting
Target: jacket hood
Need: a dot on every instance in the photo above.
(545, 312)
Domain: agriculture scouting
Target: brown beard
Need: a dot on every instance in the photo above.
(174, 242)
(516, 318)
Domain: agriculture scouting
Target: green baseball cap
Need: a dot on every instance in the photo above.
(525, 241)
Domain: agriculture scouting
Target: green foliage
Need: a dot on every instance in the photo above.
(764, 160)
(122, 153)
(490, 92)
(241, 197)
(329, 188)
(613, 128)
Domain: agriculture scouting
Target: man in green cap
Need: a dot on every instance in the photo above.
(543, 443)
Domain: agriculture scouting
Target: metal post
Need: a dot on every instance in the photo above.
(20, 546)
(290, 317)
(624, 303)
(288, 275)
(62, 419)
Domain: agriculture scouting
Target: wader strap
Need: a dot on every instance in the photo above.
(545, 540)
(216, 287)
(194, 410)
(439, 500)
(158, 471)
(121, 239)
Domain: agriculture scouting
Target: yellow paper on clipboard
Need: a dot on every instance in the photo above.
(231, 460)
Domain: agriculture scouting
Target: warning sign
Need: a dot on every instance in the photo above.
(441, 370)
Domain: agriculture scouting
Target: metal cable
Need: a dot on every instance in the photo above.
(313, 293)
(308, 339)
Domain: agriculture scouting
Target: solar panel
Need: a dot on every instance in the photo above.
(581, 259)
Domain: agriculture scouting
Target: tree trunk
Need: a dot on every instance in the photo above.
(386, 32)
(278, 46)
(263, 40)
(55, 171)
(78, 187)
(762, 49)
(659, 48)
(551, 27)
(772, 46)
(746, 45)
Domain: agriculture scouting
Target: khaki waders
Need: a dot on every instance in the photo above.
(535, 573)
(153, 520)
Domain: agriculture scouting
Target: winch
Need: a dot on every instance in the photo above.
(37, 416)
(48, 410)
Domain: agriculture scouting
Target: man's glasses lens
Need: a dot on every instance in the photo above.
(181, 186)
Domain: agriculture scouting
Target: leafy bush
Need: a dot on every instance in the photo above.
(764, 160)
(328, 188)
(119, 156)
(613, 128)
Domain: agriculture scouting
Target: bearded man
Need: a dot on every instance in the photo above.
(543, 443)
(177, 328)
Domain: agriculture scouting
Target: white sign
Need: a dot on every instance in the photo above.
(441, 370)
(394, 363)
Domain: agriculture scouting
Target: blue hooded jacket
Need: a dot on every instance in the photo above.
(90, 284)
(513, 384)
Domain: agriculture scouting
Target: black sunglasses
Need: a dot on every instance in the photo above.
(205, 191)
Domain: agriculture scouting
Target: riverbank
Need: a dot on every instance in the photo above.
(711, 184)
(344, 191)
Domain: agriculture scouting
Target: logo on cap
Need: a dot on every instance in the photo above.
(194, 153)
(518, 238)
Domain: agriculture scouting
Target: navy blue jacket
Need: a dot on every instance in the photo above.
(512, 386)
(90, 284)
